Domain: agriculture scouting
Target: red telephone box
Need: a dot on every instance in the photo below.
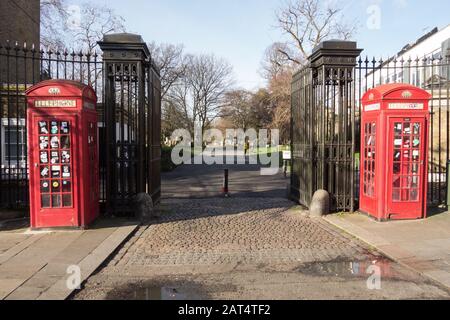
(394, 152)
(63, 154)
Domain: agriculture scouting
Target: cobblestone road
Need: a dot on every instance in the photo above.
(228, 231)
(245, 247)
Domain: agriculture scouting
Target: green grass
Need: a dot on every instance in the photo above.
(269, 150)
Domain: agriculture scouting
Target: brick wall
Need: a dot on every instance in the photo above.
(19, 22)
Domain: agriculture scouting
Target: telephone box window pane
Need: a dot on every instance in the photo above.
(369, 159)
(415, 168)
(67, 200)
(396, 183)
(398, 127)
(45, 186)
(406, 182)
(56, 186)
(415, 182)
(416, 128)
(65, 142)
(397, 168)
(65, 156)
(45, 172)
(56, 172)
(406, 155)
(416, 142)
(43, 127)
(397, 155)
(66, 172)
(65, 127)
(44, 143)
(45, 201)
(406, 168)
(405, 195)
(56, 201)
(54, 127)
(67, 186)
(416, 155)
(54, 142)
(414, 196)
(406, 142)
(396, 195)
(407, 129)
(54, 157)
(43, 157)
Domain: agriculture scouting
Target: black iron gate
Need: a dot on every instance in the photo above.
(132, 103)
(129, 116)
(326, 109)
(323, 125)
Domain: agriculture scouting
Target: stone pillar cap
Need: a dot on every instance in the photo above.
(123, 38)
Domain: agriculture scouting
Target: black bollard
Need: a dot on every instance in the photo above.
(225, 183)
(285, 168)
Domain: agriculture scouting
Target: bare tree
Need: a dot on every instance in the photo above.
(85, 30)
(171, 62)
(209, 79)
(307, 23)
(201, 92)
(275, 62)
(238, 109)
(96, 21)
(53, 23)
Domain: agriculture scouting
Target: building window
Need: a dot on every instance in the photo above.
(13, 144)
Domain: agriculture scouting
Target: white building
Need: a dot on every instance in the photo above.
(421, 63)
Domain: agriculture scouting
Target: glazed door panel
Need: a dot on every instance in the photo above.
(406, 172)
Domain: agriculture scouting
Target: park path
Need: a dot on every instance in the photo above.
(206, 181)
(254, 245)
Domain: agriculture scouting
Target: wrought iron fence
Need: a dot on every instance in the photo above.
(22, 66)
(129, 118)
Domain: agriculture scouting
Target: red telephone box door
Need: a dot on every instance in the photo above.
(54, 181)
(407, 159)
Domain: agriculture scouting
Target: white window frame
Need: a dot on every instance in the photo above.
(5, 122)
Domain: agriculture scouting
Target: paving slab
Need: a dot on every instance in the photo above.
(34, 265)
(422, 245)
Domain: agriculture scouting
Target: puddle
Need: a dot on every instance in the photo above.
(160, 293)
(349, 269)
(155, 292)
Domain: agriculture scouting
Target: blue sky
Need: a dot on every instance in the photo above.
(241, 30)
